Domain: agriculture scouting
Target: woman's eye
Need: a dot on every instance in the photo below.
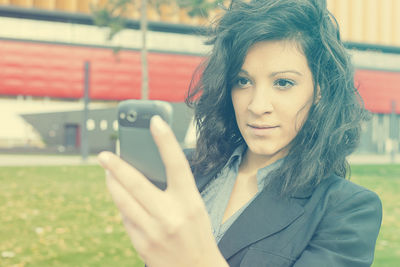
(284, 83)
(243, 82)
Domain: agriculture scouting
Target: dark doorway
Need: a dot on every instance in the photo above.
(72, 137)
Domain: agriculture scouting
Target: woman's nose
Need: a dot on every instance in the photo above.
(261, 101)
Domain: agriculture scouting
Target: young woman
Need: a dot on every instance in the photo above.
(277, 114)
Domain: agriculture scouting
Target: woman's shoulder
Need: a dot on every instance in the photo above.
(336, 191)
(342, 220)
(342, 187)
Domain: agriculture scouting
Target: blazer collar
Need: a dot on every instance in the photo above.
(266, 215)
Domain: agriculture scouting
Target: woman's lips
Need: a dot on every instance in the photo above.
(261, 130)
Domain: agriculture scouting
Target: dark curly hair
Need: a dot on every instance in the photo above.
(332, 129)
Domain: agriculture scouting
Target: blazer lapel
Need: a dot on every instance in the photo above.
(266, 215)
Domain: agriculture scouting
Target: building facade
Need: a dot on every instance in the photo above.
(45, 44)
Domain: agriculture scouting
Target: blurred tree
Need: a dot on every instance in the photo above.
(114, 14)
(199, 8)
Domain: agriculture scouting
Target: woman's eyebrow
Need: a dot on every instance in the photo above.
(285, 71)
(244, 72)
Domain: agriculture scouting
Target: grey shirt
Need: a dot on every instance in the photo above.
(217, 193)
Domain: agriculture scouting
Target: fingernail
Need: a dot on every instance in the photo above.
(157, 124)
(103, 158)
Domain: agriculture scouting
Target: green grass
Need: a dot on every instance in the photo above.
(60, 216)
(385, 181)
(63, 216)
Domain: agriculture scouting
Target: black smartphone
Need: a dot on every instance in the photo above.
(136, 144)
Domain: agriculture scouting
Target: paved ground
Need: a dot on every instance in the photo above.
(373, 159)
(42, 160)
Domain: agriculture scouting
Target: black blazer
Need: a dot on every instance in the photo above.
(335, 224)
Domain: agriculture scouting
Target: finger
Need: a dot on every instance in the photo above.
(176, 165)
(128, 207)
(137, 238)
(144, 247)
(134, 182)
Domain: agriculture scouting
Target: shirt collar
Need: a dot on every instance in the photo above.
(236, 156)
(262, 174)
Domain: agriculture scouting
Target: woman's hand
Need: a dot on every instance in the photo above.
(167, 228)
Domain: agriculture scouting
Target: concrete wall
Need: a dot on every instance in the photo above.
(101, 125)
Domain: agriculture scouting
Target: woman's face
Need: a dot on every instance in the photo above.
(272, 96)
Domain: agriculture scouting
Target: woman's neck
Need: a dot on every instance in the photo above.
(252, 162)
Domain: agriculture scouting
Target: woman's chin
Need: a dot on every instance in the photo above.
(267, 151)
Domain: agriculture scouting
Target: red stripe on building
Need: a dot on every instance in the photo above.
(53, 70)
(379, 89)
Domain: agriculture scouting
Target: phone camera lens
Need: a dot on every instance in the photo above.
(131, 116)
